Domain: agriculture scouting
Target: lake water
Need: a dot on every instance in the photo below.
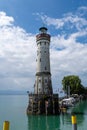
(13, 109)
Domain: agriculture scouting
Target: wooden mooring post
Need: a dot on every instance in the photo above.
(74, 122)
(6, 125)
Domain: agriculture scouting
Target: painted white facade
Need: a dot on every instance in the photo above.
(43, 60)
(43, 83)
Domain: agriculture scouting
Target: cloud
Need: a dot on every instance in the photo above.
(5, 20)
(17, 55)
(18, 48)
(76, 21)
(68, 49)
(82, 11)
(70, 57)
(69, 61)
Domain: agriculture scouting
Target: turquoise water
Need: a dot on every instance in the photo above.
(13, 109)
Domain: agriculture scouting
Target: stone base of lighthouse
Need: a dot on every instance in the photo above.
(43, 104)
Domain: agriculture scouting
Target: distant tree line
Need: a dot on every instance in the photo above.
(74, 85)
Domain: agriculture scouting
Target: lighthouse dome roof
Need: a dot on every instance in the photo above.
(43, 29)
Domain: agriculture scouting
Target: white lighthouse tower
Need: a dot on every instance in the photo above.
(43, 101)
(43, 83)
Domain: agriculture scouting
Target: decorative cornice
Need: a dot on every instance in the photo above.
(42, 73)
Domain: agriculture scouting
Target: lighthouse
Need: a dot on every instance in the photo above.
(43, 83)
(43, 100)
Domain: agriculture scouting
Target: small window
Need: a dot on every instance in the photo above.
(39, 80)
(45, 68)
(37, 53)
(45, 43)
(40, 59)
(45, 80)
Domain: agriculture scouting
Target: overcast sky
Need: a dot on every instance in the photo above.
(20, 21)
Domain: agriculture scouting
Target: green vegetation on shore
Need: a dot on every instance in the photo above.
(74, 85)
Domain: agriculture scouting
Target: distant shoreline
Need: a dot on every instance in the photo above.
(11, 92)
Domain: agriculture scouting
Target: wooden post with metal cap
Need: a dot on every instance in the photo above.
(6, 125)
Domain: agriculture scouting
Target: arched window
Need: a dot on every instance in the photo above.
(40, 43)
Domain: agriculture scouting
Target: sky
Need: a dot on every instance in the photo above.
(20, 21)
